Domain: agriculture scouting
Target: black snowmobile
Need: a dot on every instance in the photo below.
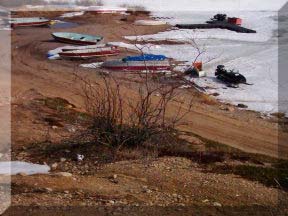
(230, 77)
(219, 17)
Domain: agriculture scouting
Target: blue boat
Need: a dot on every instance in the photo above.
(145, 57)
(145, 62)
(75, 38)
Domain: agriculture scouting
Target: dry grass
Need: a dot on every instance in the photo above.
(207, 99)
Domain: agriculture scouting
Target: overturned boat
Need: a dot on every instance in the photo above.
(90, 53)
(139, 63)
(29, 21)
(75, 38)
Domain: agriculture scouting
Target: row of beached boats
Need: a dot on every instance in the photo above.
(41, 21)
(90, 48)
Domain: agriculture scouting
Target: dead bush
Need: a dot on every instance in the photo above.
(130, 120)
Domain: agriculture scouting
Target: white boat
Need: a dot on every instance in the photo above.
(29, 21)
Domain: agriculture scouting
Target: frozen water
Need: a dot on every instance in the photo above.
(203, 5)
(254, 55)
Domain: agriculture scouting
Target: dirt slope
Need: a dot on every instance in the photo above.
(31, 69)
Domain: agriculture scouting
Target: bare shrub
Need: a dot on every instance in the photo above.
(119, 120)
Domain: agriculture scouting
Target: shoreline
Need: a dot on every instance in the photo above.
(225, 158)
(37, 56)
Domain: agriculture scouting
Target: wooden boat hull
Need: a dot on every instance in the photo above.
(84, 54)
(87, 47)
(137, 65)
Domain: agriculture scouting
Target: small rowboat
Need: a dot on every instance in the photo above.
(74, 38)
(90, 53)
(137, 65)
(29, 21)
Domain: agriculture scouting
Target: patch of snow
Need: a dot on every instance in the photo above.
(125, 45)
(185, 86)
(105, 9)
(34, 6)
(92, 65)
(149, 22)
(72, 14)
(16, 167)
